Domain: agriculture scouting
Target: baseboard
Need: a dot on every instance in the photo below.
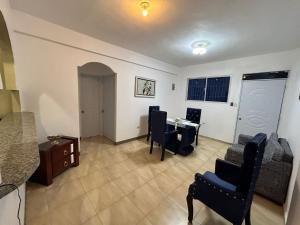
(143, 136)
(130, 139)
(215, 139)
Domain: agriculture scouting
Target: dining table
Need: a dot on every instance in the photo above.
(179, 122)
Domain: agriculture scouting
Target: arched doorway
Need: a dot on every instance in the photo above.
(97, 100)
(9, 95)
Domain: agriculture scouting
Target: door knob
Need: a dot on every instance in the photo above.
(82, 111)
(240, 118)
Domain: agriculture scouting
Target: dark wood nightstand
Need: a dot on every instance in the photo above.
(55, 159)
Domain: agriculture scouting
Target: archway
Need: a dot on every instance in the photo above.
(97, 100)
(9, 95)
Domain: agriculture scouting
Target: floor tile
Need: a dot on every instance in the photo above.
(130, 182)
(93, 180)
(75, 212)
(123, 212)
(146, 198)
(179, 196)
(144, 222)
(124, 184)
(39, 220)
(36, 205)
(58, 195)
(105, 196)
(168, 213)
(93, 221)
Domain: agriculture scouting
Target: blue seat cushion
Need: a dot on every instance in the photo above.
(215, 179)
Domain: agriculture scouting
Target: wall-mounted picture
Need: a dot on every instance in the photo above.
(144, 87)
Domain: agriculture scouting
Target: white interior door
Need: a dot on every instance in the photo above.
(109, 106)
(90, 106)
(260, 106)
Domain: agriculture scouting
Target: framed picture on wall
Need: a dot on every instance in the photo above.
(144, 87)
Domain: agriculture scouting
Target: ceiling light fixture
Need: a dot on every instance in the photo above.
(200, 47)
(145, 5)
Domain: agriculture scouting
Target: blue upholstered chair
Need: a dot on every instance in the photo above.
(160, 133)
(184, 146)
(229, 191)
(194, 115)
(151, 109)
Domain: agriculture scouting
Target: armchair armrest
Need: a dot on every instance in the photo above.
(225, 201)
(201, 179)
(228, 171)
(244, 139)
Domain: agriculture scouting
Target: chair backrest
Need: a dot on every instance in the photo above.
(193, 115)
(253, 155)
(158, 126)
(188, 135)
(151, 109)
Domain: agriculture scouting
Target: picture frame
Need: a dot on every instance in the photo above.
(144, 87)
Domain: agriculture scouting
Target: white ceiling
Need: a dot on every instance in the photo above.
(235, 28)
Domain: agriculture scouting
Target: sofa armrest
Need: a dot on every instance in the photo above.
(244, 139)
(273, 180)
(228, 171)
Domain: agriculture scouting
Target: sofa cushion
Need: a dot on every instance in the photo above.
(269, 150)
(288, 155)
(278, 151)
(237, 148)
(272, 146)
(274, 136)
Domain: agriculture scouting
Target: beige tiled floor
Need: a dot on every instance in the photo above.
(125, 185)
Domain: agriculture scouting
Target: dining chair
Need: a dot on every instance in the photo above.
(151, 109)
(194, 115)
(229, 191)
(184, 146)
(160, 133)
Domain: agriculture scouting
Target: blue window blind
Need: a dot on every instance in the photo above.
(196, 89)
(217, 89)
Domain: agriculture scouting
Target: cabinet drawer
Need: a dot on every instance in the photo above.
(60, 166)
(60, 153)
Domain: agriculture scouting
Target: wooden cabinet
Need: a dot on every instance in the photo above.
(55, 159)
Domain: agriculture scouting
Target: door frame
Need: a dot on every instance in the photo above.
(78, 102)
(240, 96)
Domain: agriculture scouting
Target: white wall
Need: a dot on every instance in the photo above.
(109, 106)
(47, 77)
(9, 207)
(290, 123)
(220, 118)
(293, 215)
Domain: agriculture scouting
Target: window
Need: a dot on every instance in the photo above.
(217, 89)
(196, 90)
(214, 89)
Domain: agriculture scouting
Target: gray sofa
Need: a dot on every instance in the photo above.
(276, 169)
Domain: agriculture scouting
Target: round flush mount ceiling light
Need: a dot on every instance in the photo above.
(145, 5)
(200, 47)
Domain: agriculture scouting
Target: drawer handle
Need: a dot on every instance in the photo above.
(65, 152)
(66, 164)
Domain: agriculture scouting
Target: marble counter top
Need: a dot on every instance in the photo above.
(19, 154)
